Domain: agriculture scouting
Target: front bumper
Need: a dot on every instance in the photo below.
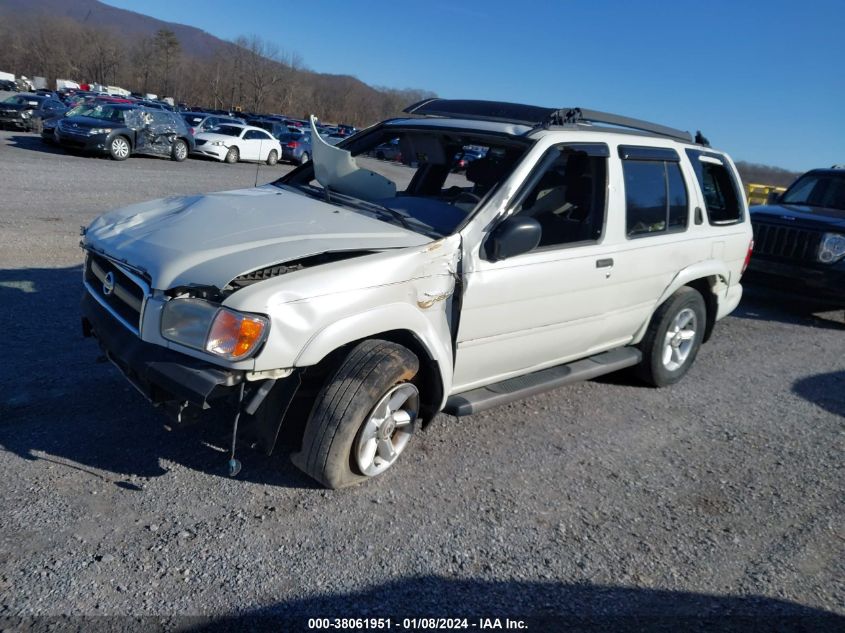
(824, 283)
(15, 121)
(217, 152)
(290, 155)
(84, 142)
(160, 374)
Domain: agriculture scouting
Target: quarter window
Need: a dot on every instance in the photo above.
(718, 186)
(655, 196)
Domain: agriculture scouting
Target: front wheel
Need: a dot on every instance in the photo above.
(233, 155)
(364, 416)
(673, 338)
(179, 152)
(119, 148)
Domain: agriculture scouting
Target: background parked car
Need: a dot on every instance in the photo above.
(8, 84)
(388, 151)
(275, 128)
(16, 111)
(48, 125)
(296, 148)
(199, 122)
(232, 142)
(465, 157)
(122, 130)
(799, 238)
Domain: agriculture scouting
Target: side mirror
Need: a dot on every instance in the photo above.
(773, 197)
(513, 236)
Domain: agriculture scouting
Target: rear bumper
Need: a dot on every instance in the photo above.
(160, 374)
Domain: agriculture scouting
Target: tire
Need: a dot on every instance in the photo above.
(304, 158)
(179, 151)
(272, 157)
(673, 338)
(119, 148)
(380, 155)
(347, 438)
(232, 156)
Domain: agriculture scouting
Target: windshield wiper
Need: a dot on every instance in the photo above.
(379, 208)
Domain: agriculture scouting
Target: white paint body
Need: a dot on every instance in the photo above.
(251, 150)
(535, 310)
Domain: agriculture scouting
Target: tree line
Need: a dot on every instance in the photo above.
(249, 73)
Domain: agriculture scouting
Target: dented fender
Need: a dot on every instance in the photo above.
(317, 310)
(699, 270)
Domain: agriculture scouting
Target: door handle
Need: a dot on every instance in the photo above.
(604, 263)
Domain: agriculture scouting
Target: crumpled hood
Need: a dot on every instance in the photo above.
(211, 239)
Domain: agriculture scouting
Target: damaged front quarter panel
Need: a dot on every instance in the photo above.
(317, 310)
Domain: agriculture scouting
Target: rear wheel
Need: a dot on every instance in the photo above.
(304, 158)
(119, 148)
(272, 157)
(179, 152)
(233, 155)
(673, 338)
(364, 416)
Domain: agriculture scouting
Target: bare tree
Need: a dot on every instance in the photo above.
(167, 51)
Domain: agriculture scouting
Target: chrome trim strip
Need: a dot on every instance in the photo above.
(108, 308)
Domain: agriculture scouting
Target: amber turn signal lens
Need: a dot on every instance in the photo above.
(235, 335)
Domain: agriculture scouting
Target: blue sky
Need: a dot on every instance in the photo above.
(763, 80)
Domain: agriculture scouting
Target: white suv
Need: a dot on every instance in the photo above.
(356, 297)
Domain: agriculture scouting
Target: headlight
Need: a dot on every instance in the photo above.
(205, 326)
(100, 130)
(832, 248)
(26, 114)
(219, 143)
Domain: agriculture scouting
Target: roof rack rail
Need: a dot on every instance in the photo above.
(535, 115)
(574, 116)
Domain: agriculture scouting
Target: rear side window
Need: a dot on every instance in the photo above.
(656, 198)
(718, 187)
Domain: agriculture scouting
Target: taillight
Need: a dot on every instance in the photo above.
(748, 256)
(192, 131)
(292, 145)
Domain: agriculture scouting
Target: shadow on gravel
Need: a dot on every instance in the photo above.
(542, 606)
(824, 390)
(34, 143)
(59, 404)
(764, 304)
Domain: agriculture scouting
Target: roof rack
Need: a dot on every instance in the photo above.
(536, 116)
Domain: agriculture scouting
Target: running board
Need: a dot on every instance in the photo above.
(520, 387)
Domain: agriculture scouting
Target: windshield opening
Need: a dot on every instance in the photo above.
(107, 113)
(425, 179)
(24, 100)
(818, 190)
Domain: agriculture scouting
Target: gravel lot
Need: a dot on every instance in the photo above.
(605, 500)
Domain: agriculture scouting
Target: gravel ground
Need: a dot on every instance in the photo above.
(605, 500)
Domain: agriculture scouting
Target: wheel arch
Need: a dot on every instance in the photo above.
(130, 138)
(329, 346)
(705, 277)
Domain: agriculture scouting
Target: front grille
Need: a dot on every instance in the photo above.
(117, 290)
(786, 242)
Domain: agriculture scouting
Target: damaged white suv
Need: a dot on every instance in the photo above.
(355, 297)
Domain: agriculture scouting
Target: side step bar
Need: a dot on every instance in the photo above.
(520, 387)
